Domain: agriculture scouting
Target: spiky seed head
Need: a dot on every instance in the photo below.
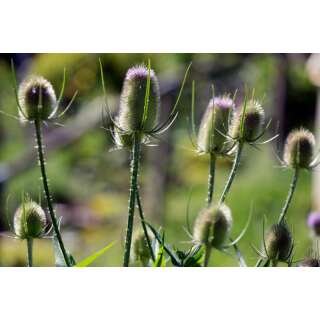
(299, 149)
(29, 221)
(132, 100)
(252, 124)
(213, 226)
(215, 125)
(37, 98)
(314, 222)
(278, 242)
(140, 250)
(309, 262)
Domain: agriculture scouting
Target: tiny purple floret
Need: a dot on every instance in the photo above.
(223, 102)
(313, 222)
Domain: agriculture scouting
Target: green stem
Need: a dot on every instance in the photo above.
(207, 254)
(53, 217)
(29, 252)
(132, 196)
(211, 178)
(232, 173)
(292, 188)
(144, 227)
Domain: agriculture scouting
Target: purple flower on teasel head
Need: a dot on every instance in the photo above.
(223, 102)
(314, 222)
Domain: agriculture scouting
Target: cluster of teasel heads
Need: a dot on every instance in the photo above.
(223, 132)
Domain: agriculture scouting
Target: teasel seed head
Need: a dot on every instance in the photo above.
(132, 100)
(140, 249)
(314, 223)
(309, 262)
(37, 99)
(299, 149)
(214, 125)
(29, 221)
(213, 226)
(278, 242)
(253, 123)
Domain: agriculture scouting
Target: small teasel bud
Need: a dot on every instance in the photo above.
(140, 249)
(309, 262)
(248, 123)
(213, 226)
(132, 100)
(29, 221)
(37, 99)
(215, 125)
(278, 242)
(299, 149)
(314, 223)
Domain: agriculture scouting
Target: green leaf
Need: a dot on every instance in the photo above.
(160, 260)
(195, 257)
(87, 261)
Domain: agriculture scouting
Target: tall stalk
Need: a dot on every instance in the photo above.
(207, 254)
(29, 252)
(292, 188)
(232, 173)
(132, 195)
(211, 178)
(144, 227)
(53, 217)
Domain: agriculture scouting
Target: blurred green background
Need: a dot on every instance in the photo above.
(90, 180)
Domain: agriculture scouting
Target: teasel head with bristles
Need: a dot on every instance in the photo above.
(309, 262)
(278, 243)
(213, 130)
(140, 250)
(248, 123)
(212, 226)
(299, 150)
(29, 221)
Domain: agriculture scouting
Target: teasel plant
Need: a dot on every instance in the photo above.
(136, 124)
(37, 104)
(211, 138)
(29, 222)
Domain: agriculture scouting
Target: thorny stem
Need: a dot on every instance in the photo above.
(144, 226)
(53, 217)
(211, 178)
(207, 255)
(292, 188)
(232, 173)
(132, 196)
(29, 252)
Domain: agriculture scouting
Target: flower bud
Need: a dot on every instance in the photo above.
(213, 226)
(314, 222)
(214, 122)
(253, 122)
(278, 242)
(299, 149)
(140, 249)
(37, 99)
(132, 100)
(309, 262)
(29, 221)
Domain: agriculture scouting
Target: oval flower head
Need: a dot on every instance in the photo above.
(132, 117)
(299, 149)
(140, 249)
(37, 99)
(314, 222)
(29, 221)
(278, 242)
(248, 123)
(213, 226)
(212, 136)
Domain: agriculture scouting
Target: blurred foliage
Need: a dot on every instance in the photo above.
(88, 174)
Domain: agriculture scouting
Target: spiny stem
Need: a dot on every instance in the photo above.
(232, 173)
(212, 166)
(29, 252)
(292, 188)
(144, 225)
(132, 196)
(207, 254)
(41, 158)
